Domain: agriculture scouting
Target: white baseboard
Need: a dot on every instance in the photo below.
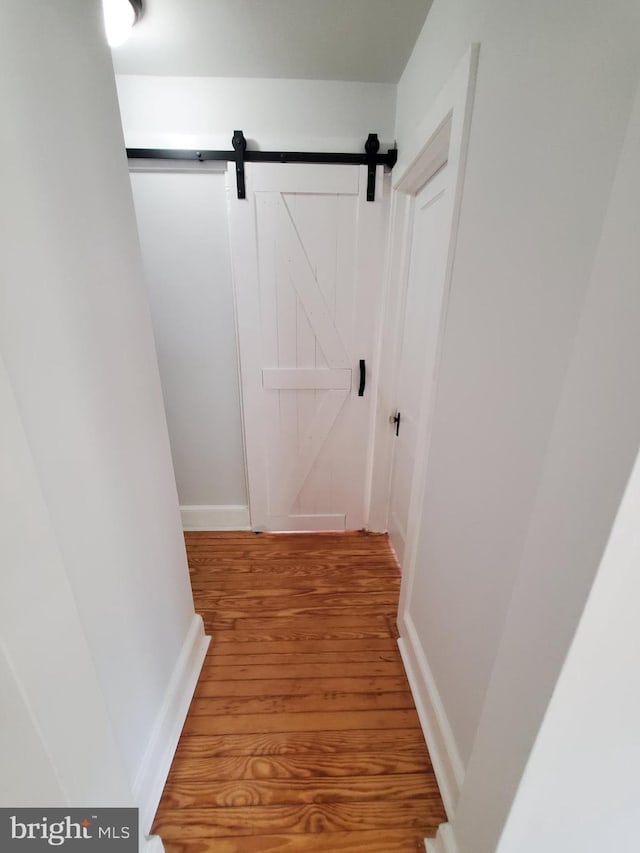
(151, 844)
(215, 517)
(165, 734)
(443, 750)
(444, 842)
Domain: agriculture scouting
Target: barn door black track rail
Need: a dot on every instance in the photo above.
(371, 157)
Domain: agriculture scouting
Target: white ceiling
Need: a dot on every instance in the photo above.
(363, 40)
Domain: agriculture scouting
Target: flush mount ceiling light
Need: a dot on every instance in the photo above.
(120, 16)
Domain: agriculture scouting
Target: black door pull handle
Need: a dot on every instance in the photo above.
(363, 378)
(395, 419)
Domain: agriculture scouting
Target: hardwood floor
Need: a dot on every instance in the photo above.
(302, 735)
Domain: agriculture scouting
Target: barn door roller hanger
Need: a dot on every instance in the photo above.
(240, 155)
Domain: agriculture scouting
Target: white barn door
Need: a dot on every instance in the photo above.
(306, 252)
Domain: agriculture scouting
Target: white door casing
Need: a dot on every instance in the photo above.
(441, 137)
(306, 265)
(418, 347)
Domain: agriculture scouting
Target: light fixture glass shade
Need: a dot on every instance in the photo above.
(119, 18)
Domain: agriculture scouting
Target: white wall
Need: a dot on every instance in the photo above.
(580, 791)
(590, 454)
(52, 702)
(203, 112)
(182, 223)
(553, 94)
(531, 444)
(76, 341)
(32, 780)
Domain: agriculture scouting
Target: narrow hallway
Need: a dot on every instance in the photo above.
(302, 735)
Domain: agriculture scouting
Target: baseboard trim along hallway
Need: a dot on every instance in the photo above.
(302, 735)
(154, 769)
(215, 517)
(447, 763)
(444, 841)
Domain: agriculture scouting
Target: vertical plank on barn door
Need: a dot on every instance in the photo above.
(270, 272)
(307, 345)
(306, 257)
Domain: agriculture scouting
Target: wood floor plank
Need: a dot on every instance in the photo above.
(300, 686)
(301, 670)
(346, 620)
(305, 611)
(248, 646)
(282, 599)
(275, 554)
(274, 633)
(228, 582)
(251, 792)
(313, 765)
(302, 734)
(400, 741)
(376, 841)
(267, 658)
(330, 701)
(309, 722)
(299, 628)
(423, 815)
(340, 568)
(214, 622)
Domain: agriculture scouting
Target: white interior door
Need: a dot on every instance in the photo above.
(422, 315)
(306, 251)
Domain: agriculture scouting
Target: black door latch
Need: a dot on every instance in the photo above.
(395, 419)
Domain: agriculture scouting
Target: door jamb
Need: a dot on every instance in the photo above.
(441, 137)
